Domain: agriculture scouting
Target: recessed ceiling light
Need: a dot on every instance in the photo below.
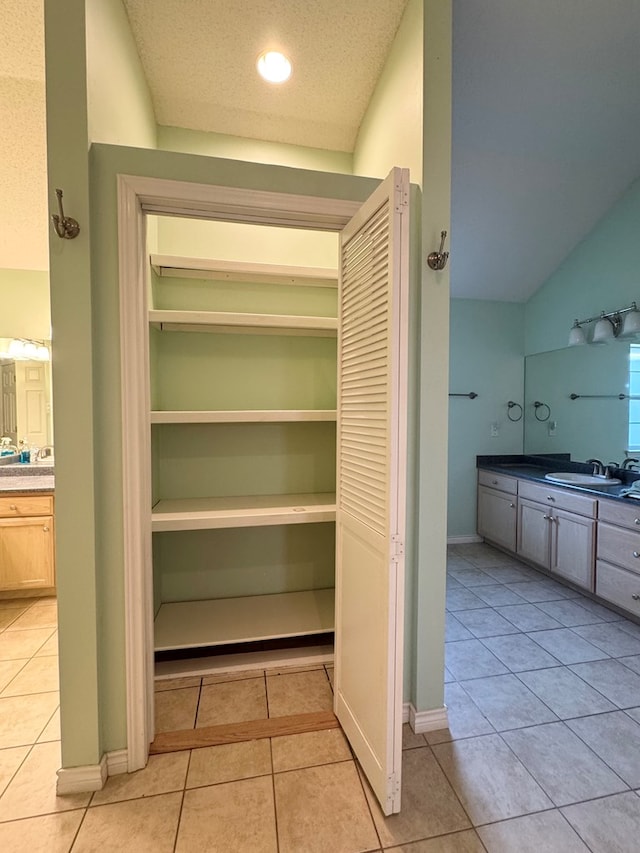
(273, 66)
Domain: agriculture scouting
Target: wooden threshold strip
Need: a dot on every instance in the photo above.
(238, 732)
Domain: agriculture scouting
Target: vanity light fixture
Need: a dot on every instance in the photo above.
(623, 322)
(21, 349)
(273, 66)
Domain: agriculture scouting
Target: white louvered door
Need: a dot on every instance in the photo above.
(370, 520)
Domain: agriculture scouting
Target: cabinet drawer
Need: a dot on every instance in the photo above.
(620, 546)
(498, 481)
(18, 506)
(559, 498)
(618, 586)
(626, 515)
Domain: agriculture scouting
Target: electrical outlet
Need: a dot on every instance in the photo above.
(495, 429)
(552, 426)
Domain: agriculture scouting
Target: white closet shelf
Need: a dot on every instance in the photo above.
(242, 416)
(194, 624)
(171, 266)
(238, 323)
(243, 511)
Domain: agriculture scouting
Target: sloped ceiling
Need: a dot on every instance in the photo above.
(199, 59)
(546, 134)
(546, 111)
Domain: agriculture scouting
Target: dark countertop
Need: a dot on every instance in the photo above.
(17, 478)
(534, 468)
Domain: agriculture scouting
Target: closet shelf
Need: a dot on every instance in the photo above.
(242, 416)
(235, 323)
(195, 624)
(171, 266)
(243, 511)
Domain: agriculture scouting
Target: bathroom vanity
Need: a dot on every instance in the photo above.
(27, 553)
(587, 536)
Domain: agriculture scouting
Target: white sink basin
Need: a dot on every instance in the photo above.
(570, 478)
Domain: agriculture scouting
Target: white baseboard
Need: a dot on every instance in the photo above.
(464, 540)
(428, 721)
(91, 777)
(117, 762)
(82, 780)
(405, 712)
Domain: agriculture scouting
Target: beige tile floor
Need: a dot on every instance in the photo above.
(542, 754)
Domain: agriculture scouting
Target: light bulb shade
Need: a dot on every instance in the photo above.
(631, 324)
(16, 348)
(42, 353)
(603, 331)
(274, 66)
(577, 336)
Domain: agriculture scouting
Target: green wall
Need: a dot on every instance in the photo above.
(601, 274)
(120, 110)
(87, 375)
(107, 162)
(391, 131)
(486, 356)
(228, 241)
(253, 150)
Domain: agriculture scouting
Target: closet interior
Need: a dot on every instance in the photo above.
(242, 388)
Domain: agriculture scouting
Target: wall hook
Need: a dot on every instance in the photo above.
(66, 227)
(438, 260)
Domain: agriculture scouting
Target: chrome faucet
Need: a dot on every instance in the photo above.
(598, 466)
(629, 464)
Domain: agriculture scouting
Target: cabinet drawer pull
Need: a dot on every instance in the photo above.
(547, 517)
(512, 506)
(549, 498)
(13, 507)
(46, 529)
(635, 596)
(636, 520)
(636, 554)
(494, 482)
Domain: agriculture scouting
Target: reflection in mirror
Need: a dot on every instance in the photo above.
(25, 403)
(597, 423)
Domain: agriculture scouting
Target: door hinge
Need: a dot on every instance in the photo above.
(401, 197)
(397, 548)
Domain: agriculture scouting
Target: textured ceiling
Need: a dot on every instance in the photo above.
(23, 184)
(546, 111)
(546, 134)
(199, 58)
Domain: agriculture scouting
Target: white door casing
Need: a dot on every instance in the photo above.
(371, 483)
(138, 196)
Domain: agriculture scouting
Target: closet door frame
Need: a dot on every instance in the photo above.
(137, 197)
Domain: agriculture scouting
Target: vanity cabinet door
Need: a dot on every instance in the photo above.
(26, 553)
(534, 532)
(497, 517)
(573, 547)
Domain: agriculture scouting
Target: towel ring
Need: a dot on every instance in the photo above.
(539, 405)
(512, 405)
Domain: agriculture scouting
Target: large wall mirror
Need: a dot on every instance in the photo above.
(596, 423)
(25, 404)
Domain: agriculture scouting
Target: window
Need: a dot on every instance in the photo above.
(634, 393)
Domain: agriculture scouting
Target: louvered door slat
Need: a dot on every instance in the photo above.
(370, 483)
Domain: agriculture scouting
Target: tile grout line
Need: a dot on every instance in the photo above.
(567, 666)
(273, 790)
(182, 798)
